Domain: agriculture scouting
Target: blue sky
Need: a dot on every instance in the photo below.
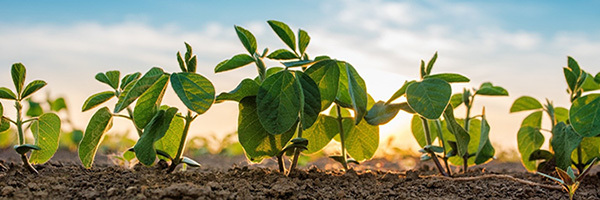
(520, 45)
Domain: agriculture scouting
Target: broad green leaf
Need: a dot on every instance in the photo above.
(128, 96)
(400, 91)
(358, 93)
(235, 62)
(561, 114)
(589, 84)
(326, 75)
(416, 127)
(321, 133)
(156, 129)
(564, 141)
(485, 150)
(99, 124)
(58, 104)
(597, 78)
(282, 54)
(589, 149)
(4, 125)
(278, 102)
(429, 97)
(181, 62)
(111, 78)
(25, 148)
(32, 87)
(247, 39)
(257, 142)
(541, 154)
(284, 32)
(129, 78)
(381, 113)
(449, 77)
(574, 66)
(473, 144)
(430, 63)
(34, 110)
(461, 135)
(46, 131)
(344, 112)
(195, 91)
(456, 100)
(585, 115)
(149, 102)
(529, 139)
(571, 78)
(488, 89)
(533, 120)
(191, 64)
(525, 103)
(362, 141)
(97, 99)
(303, 40)
(6, 93)
(18, 76)
(247, 87)
(311, 100)
(170, 142)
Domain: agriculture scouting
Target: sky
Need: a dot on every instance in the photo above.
(520, 45)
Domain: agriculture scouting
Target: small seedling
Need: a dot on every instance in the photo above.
(45, 127)
(568, 180)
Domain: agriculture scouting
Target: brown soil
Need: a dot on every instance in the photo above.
(234, 178)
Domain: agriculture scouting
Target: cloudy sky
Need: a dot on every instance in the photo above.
(520, 45)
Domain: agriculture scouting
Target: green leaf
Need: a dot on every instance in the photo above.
(99, 124)
(461, 135)
(358, 93)
(128, 96)
(46, 131)
(284, 32)
(321, 133)
(170, 142)
(235, 62)
(429, 97)
(58, 104)
(540, 154)
(564, 141)
(589, 149)
(195, 91)
(4, 125)
(585, 115)
(344, 112)
(362, 141)
(529, 139)
(34, 109)
(525, 103)
(278, 101)
(18, 76)
(589, 84)
(533, 120)
(111, 78)
(191, 64)
(456, 100)
(449, 77)
(282, 54)
(156, 129)
(597, 78)
(400, 91)
(97, 99)
(25, 148)
(6, 93)
(247, 39)
(299, 63)
(430, 63)
(571, 78)
(311, 100)
(485, 150)
(488, 89)
(416, 127)
(190, 162)
(32, 87)
(381, 113)
(1, 110)
(303, 40)
(129, 78)
(561, 114)
(326, 75)
(247, 87)
(181, 62)
(572, 64)
(255, 140)
(149, 102)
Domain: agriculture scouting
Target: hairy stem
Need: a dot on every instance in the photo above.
(431, 153)
(341, 128)
(177, 159)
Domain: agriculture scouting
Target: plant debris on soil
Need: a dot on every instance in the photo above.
(64, 178)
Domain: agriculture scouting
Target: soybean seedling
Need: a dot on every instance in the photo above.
(568, 180)
(45, 128)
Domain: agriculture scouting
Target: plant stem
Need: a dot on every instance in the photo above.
(177, 159)
(281, 163)
(438, 124)
(296, 151)
(428, 139)
(580, 165)
(19, 124)
(341, 128)
(467, 123)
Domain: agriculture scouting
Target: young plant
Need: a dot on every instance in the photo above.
(572, 129)
(282, 102)
(568, 180)
(162, 130)
(45, 128)
(70, 135)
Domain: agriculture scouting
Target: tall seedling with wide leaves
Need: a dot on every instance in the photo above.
(574, 130)
(161, 129)
(45, 128)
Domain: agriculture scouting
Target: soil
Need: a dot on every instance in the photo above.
(223, 177)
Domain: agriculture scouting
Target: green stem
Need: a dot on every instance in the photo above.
(21, 134)
(262, 70)
(580, 165)
(438, 124)
(177, 159)
(341, 128)
(296, 151)
(431, 153)
(281, 163)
